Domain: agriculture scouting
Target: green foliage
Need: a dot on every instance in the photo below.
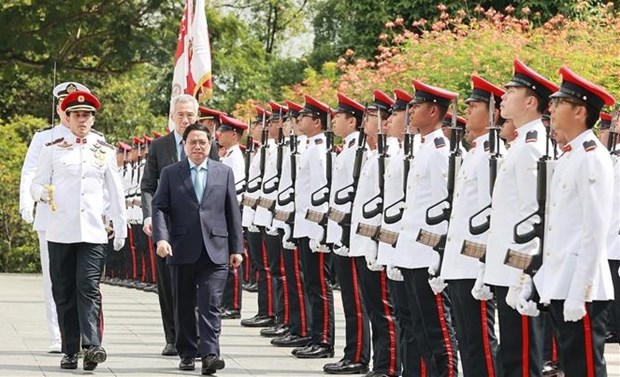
(18, 249)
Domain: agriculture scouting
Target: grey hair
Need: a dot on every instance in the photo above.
(185, 98)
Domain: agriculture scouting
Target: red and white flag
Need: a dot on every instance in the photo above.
(192, 60)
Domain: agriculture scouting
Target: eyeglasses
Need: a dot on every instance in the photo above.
(200, 143)
(556, 101)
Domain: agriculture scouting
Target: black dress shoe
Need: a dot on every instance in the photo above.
(231, 314)
(187, 363)
(552, 369)
(169, 350)
(69, 361)
(212, 363)
(291, 340)
(93, 356)
(315, 351)
(372, 373)
(258, 321)
(345, 367)
(279, 329)
(611, 337)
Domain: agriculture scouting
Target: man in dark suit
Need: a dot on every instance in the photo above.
(163, 152)
(197, 227)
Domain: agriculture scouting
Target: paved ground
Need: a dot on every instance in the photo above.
(133, 338)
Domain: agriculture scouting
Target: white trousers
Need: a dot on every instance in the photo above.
(50, 306)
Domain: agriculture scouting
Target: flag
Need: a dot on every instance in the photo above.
(192, 60)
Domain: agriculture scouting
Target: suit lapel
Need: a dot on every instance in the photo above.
(186, 178)
(213, 174)
(171, 147)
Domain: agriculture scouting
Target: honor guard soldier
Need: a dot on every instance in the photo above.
(346, 123)
(230, 132)
(399, 164)
(609, 137)
(137, 238)
(210, 118)
(79, 165)
(316, 264)
(258, 253)
(164, 151)
(474, 315)
(264, 220)
(574, 279)
(40, 217)
(298, 335)
(426, 185)
(513, 199)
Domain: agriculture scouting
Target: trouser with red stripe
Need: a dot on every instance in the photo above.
(408, 348)
(273, 246)
(581, 344)
(297, 298)
(614, 307)
(233, 290)
(316, 268)
(130, 267)
(520, 350)
(550, 349)
(385, 329)
(357, 332)
(434, 314)
(143, 259)
(475, 329)
(75, 271)
(258, 253)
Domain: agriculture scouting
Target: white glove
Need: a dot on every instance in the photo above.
(27, 216)
(481, 291)
(118, 243)
(318, 247)
(372, 264)
(574, 310)
(45, 196)
(272, 231)
(437, 285)
(253, 228)
(285, 239)
(341, 250)
(525, 306)
(512, 298)
(394, 273)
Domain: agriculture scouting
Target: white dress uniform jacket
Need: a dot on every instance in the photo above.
(613, 237)
(575, 260)
(247, 215)
(514, 198)
(285, 179)
(342, 176)
(263, 216)
(234, 159)
(471, 194)
(392, 192)
(80, 173)
(426, 185)
(310, 178)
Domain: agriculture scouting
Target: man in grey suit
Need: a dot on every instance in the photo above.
(163, 152)
(197, 228)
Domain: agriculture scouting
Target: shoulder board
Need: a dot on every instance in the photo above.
(55, 141)
(531, 136)
(103, 143)
(589, 145)
(45, 129)
(318, 141)
(96, 132)
(352, 143)
(486, 145)
(439, 142)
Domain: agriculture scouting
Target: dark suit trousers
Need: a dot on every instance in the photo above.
(164, 293)
(385, 329)
(200, 284)
(357, 329)
(433, 311)
(520, 350)
(317, 276)
(75, 271)
(475, 329)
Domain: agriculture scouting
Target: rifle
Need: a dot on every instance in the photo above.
(530, 264)
(382, 150)
(408, 149)
(276, 178)
(438, 242)
(263, 154)
(249, 149)
(282, 200)
(495, 154)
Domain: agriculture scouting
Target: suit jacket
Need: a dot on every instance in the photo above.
(162, 152)
(188, 225)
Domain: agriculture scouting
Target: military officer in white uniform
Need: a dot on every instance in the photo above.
(40, 217)
(575, 278)
(514, 198)
(474, 317)
(71, 177)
